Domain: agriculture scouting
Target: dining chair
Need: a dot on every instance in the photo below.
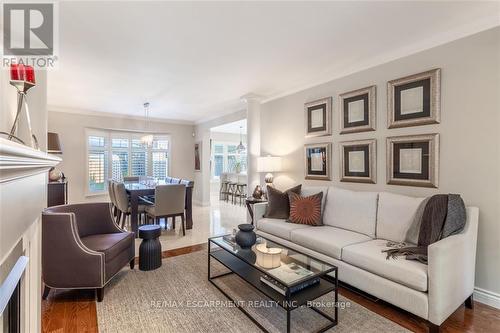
(131, 178)
(169, 202)
(175, 180)
(112, 199)
(123, 203)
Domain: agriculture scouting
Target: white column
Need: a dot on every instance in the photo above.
(253, 139)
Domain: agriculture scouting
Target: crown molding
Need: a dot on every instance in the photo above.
(59, 109)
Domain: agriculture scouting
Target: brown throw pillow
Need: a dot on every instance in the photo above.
(278, 206)
(305, 210)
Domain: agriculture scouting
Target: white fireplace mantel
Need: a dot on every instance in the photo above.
(17, 161)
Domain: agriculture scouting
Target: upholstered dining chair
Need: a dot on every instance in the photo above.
(169, 202)
(83, 247)
(112, 199)
(123, 203)
(131, 178)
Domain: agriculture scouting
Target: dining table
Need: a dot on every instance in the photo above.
(137, 189)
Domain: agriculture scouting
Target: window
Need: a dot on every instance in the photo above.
(114, 155)
(227, 158)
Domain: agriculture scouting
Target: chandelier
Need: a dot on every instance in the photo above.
(148, 138)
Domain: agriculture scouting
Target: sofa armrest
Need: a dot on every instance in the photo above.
(451, 270)
(259, 209)
(66, 261)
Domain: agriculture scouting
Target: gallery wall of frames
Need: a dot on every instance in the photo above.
(411, 160)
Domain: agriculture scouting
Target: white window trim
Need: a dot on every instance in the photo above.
(109, 134)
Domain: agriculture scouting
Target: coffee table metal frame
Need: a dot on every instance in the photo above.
(251, 274)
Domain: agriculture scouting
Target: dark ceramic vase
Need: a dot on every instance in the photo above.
(245, 237)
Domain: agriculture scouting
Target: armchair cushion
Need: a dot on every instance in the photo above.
(110, 244)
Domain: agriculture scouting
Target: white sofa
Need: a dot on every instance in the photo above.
(356, 228)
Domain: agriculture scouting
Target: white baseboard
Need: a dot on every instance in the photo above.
(487, 297)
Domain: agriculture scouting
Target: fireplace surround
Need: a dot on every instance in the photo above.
(23, 181)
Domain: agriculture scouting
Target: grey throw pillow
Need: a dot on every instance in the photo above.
(278, 206)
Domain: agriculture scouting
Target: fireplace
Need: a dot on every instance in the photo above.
(12, 314)
(23, 186)
(11, 291)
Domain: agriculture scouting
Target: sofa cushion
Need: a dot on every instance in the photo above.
(278, 205)
(327, 240)
(279, 227)
(305, 210)
(351, 210)
(310, 190)
(111, 244)
(395, 216)
(369, 256)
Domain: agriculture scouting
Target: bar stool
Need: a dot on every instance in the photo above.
(241, 188)
(223, 190)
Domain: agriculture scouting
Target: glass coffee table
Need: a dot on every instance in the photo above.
(298, 281)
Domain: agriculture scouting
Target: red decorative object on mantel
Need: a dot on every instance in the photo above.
(22, 77)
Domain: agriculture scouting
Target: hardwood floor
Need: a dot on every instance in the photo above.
(75, 310)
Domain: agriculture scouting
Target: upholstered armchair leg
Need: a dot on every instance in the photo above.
(132, 263)
(433, 328)
(183, 225)
(469, 302)
(100, 294)
(46, 291)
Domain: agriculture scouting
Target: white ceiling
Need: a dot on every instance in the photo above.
(193, 61)
(233, 127)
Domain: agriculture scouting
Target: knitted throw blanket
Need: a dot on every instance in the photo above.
(443, 216)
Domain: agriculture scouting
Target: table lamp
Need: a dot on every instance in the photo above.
(269, 164)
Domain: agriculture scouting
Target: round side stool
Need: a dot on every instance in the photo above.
(150, 248)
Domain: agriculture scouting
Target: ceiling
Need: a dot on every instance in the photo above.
(233, 127)
(193, 61)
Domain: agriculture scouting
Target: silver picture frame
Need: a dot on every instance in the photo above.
(370, 121)
(432, 103)
(428, 174)
(325, 172)
(325, 129)
(369, 172)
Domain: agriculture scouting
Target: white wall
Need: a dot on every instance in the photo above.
(470, 133)
(202, 192)
(71, 130)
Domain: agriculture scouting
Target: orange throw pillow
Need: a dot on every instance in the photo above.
(305, 210)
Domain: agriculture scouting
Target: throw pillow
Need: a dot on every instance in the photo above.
(305, 210)
(278, 206)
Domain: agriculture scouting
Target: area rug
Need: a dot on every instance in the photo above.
(177, 297)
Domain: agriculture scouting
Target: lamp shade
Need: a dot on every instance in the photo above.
(53, 143)
(269, 164)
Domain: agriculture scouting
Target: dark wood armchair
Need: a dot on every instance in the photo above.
(82, 247)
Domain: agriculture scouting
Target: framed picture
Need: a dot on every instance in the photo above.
(358, 161)
(413, 160)
(318, 116)
(197, 156)
(358, 110)
(317, 158)
(414, 100)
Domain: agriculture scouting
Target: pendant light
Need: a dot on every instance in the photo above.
(240, 147)
(148, 138)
